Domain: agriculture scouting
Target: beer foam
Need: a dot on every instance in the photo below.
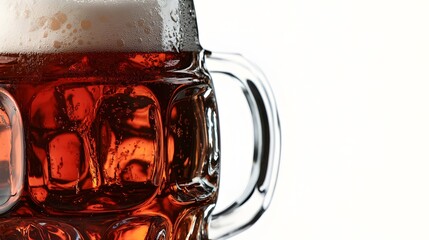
(50, 26)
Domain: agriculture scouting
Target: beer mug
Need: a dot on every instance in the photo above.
(109, 124)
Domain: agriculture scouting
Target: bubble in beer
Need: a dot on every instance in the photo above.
(57, 44)
(86, 24)
(57, 21)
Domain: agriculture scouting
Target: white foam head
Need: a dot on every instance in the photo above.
(50, 26)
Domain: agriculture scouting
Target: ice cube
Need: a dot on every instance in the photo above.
(65, 157)
(140, 118)
(45, 110)
(79, 102)
(131, 127)
(132, 160)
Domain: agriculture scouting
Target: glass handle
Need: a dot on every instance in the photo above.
(257, 196)
(12, 165)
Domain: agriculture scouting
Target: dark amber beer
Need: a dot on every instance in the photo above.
(115, 136)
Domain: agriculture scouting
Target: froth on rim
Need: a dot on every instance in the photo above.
(50, 26)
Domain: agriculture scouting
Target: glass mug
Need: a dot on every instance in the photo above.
(109, 124)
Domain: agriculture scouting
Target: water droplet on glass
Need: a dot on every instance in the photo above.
(192, 12)
(174, 15)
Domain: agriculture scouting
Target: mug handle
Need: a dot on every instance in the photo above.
(16, 166)
(257, 196)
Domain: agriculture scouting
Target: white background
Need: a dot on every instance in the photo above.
(352, 84)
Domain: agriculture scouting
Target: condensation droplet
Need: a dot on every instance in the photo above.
(57, 44)
(192, 12)
(174, 15)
